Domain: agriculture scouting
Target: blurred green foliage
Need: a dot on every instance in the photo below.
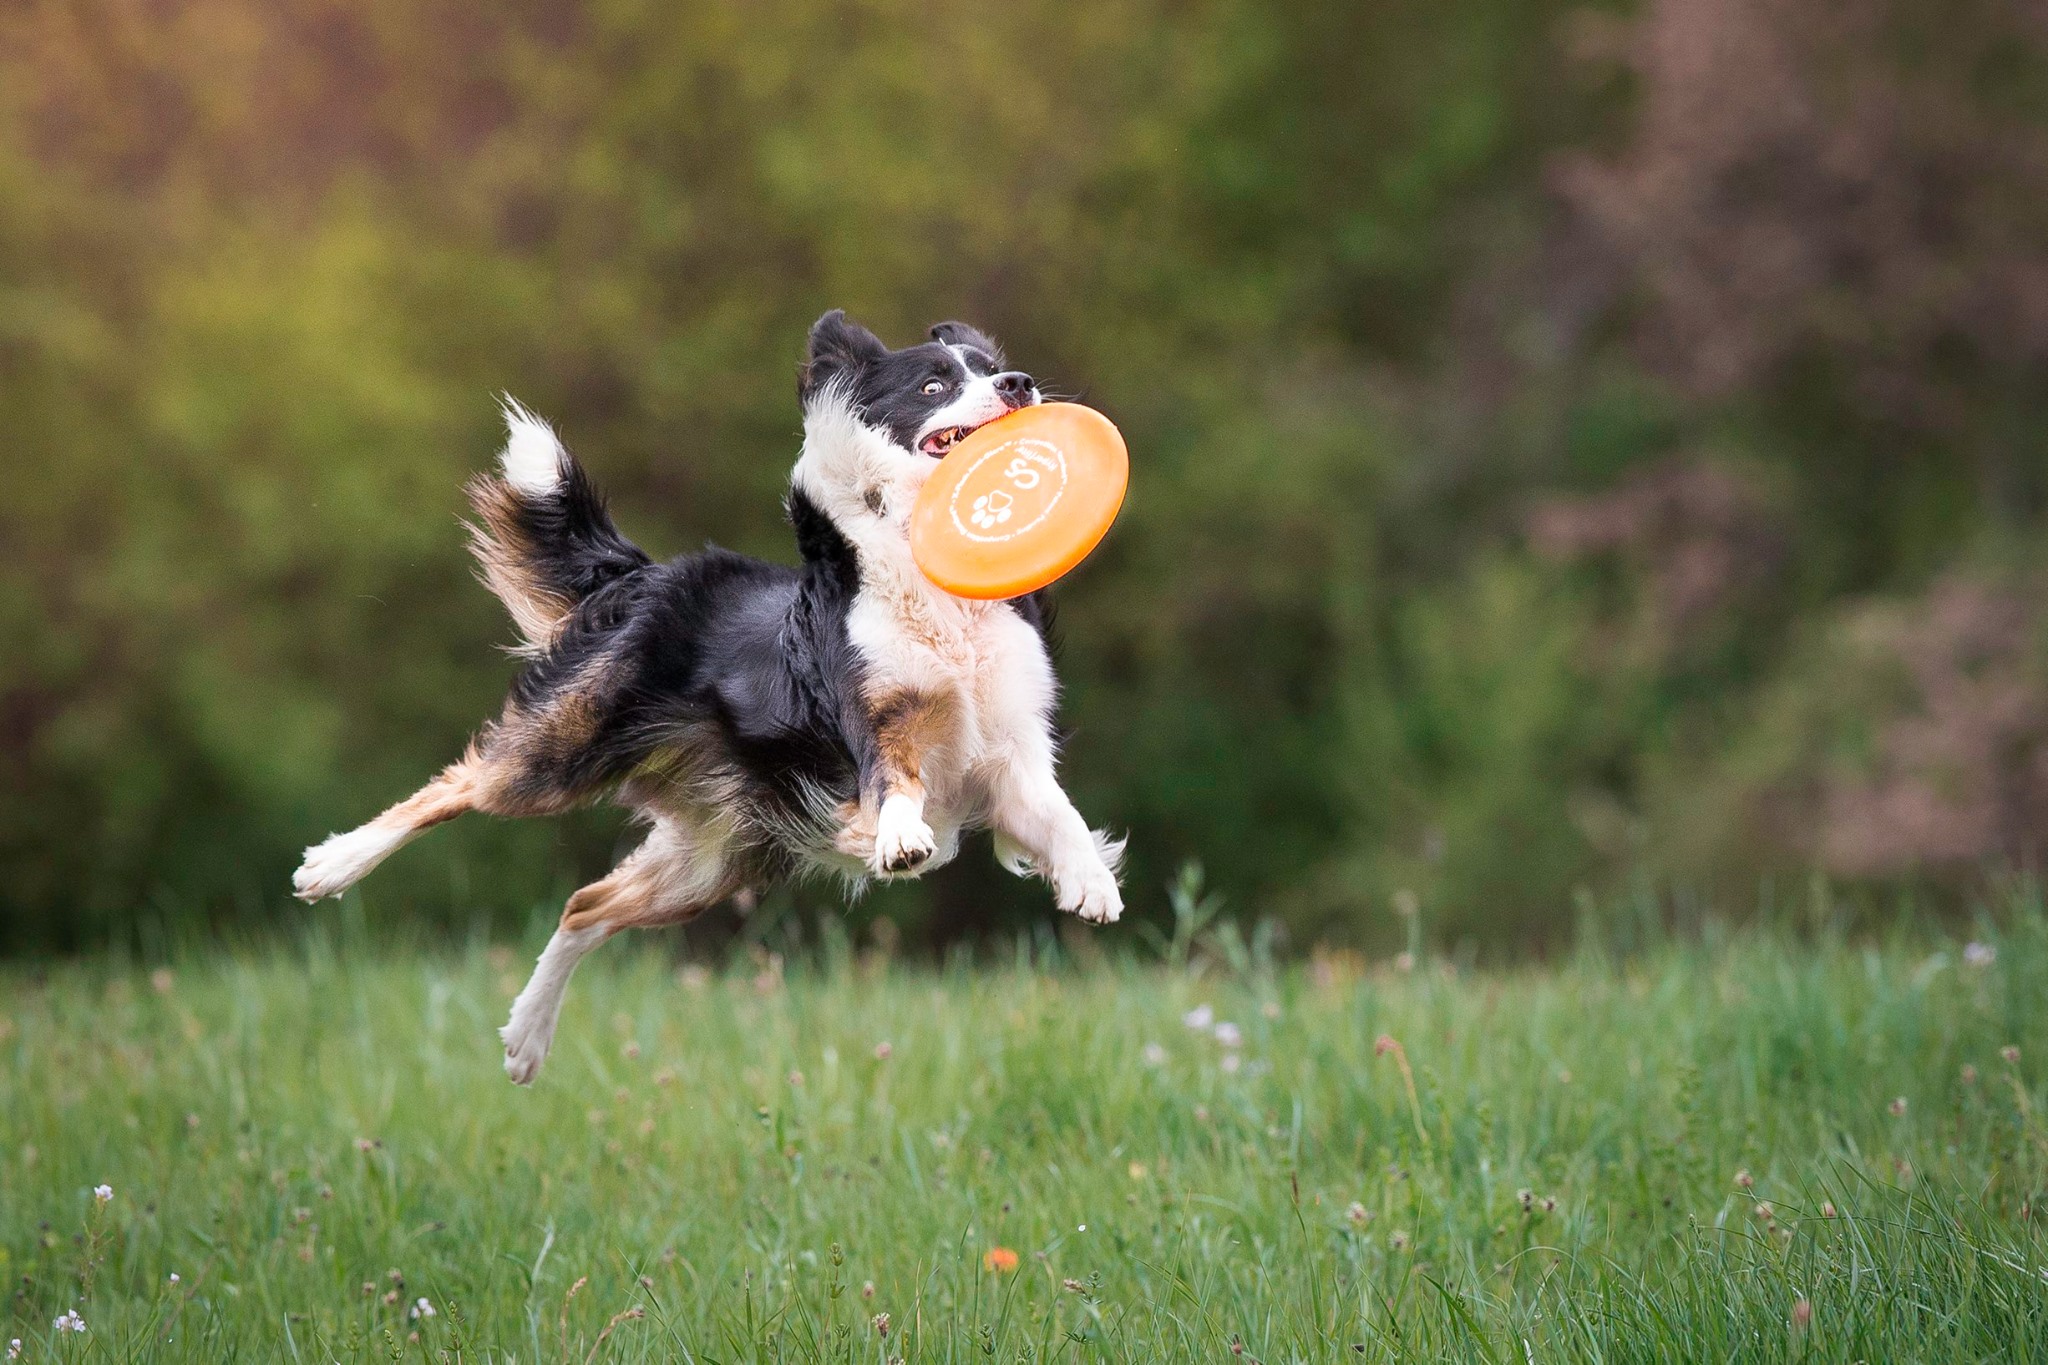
(1527, 404)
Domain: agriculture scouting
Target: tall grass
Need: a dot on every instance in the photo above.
(1756, 1149)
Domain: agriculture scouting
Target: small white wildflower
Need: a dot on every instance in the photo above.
(103, 1193)
(1199, 1018)
(1271, 1009)
(422, 1309)
(1404, 962)
(1231, 1062)
(14, 1349)
(174, 1277)
(1229, 1034)
(68, 1322)
(1154, 1055)
(1979, 954)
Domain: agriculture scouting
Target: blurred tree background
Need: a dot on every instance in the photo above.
(1575, 449)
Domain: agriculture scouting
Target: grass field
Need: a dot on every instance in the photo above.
(1742, 1149)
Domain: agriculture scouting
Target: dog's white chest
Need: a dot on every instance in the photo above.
(981, 657)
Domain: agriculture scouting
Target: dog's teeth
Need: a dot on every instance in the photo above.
(942, 441)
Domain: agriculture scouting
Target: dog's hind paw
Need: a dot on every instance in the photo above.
(332, 867)
(526, 1048)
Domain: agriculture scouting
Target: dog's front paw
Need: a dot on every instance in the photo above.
(1092, 894)
(903, 841)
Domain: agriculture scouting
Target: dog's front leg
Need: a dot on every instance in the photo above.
(906, 727)
(1033, 815)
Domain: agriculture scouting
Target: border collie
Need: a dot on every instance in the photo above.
(766, 722)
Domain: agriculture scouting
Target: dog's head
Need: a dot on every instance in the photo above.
(924, 397)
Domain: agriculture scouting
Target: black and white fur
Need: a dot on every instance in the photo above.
(842, 716)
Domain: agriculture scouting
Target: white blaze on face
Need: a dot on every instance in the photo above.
(977, 402)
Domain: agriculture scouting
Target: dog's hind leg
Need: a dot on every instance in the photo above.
(332, 867)
(517, 766)
(674, 876)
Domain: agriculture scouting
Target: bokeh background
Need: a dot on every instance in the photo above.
(1584, 456)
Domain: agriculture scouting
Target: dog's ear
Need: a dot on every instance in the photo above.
(960, 334)
(838, 344)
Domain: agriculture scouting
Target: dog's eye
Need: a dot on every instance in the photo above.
(934, 386)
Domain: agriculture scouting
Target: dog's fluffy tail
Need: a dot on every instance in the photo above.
(543, 539)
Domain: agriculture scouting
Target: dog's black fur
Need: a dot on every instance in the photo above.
(742, 663)
(841, 715)
(744, 660)
(889, 387)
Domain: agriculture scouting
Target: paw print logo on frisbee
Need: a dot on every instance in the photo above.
(1024, 472)
(1020, 502)
(992, 509)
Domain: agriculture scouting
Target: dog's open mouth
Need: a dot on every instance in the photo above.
(940, 443)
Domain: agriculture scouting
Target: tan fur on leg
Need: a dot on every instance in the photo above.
(909, 727)
(332, 867)
(512, 769)
(677, 874)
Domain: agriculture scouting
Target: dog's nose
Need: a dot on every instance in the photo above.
(1015, 386)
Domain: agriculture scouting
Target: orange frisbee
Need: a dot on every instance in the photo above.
(1020, 501)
